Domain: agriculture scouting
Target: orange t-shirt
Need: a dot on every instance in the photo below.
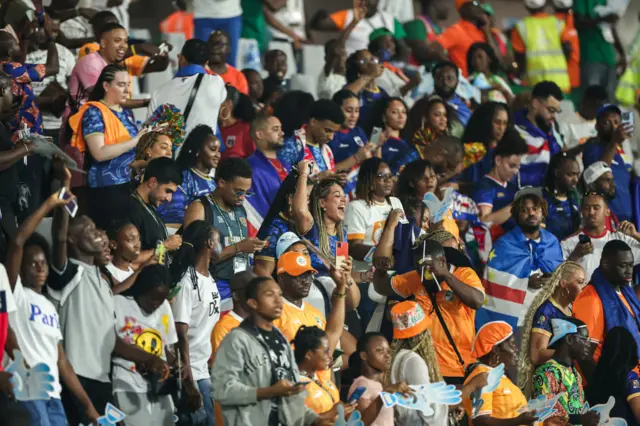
(234, 78)
(322, 393)
(293, 317)
(457, 39)
(87, 49)
(178, 22)
(221, 329)
(502, 403)
(573, 63)
(459, 318)
(588, 309)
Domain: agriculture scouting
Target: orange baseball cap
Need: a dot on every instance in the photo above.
(294, 264)
(409, 320)
(489, 335)
(460, 3)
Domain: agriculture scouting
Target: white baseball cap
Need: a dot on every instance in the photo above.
(594, 171)
(285, 241)
(535, 4)
(563, 4)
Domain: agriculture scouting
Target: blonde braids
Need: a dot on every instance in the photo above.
(424, 349)
(525, 367)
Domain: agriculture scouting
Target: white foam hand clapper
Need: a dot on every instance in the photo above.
(493, 380)
(424, 396)
(30, 383)
(437, 208)
(605, 411)
(542, 406)
(354, 420)
(111, 416)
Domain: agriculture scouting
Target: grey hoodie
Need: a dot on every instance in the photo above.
(241, 366)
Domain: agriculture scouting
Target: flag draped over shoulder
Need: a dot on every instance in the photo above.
(506, 277)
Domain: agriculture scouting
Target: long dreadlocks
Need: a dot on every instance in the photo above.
(422, 345)
(525, 368)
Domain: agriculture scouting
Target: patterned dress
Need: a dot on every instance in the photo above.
(553, 378)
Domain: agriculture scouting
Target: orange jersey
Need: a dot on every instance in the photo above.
(459, 317)
(178, 22)
(457, 39)
(573, 62)
(322, 393)
(502, 403)
(588, 309)
(293, 317)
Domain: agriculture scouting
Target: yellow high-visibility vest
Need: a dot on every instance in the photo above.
(545, 58)
(629, 85)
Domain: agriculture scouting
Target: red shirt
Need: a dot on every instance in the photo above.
(282, 172)
(237, 140)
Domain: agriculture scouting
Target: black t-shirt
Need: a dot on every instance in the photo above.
(280, 364)
(8, 177)
(149, 224)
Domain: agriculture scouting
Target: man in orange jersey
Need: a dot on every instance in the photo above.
(457, 291)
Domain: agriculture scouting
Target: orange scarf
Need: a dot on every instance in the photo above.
(114, 130)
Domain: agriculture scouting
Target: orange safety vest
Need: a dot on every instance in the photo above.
(114, 130)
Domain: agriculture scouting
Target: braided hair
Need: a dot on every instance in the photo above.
(422, 345)
(146, 142)
(307, 339)
(107, 75)
(353, 66)
(150, 278)
(355, 362)
(194, 240)
(193, 145)
(367, 179)
(550, 185)
(525, 368)
(320, 192)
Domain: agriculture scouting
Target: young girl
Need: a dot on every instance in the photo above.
(35, 320)
(427, 120)
(144, 319)
(362, 71)
(196, 309)
(483, 67)
(370, 362)
(152, 145)
(235, 117)
(124, 244)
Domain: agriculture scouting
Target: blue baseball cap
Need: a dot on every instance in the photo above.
(285, 241)
(608, 108)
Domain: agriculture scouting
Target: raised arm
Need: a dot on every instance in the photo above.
(335, 320)
(52, 67)
(60, 225)
(301, 214)
(16, 247)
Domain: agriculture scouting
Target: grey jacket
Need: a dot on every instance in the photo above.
(241, 366)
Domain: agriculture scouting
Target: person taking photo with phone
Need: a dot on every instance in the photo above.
(585, 246)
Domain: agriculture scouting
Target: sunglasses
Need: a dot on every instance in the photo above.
(384, 176)
(373, 60)
(240, 193)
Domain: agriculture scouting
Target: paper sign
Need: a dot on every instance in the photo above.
(493, 380)
(605, 411)
(111, 416)
(542, 406)
(437, 208)
(30, 384)
(424, 396)
(354, 419)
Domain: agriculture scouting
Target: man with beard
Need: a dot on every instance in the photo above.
(609, 301)
(161, 180)
(268, 170)
(607, 147)
(537, 125)
(586, 245)
(445, 82)
(598, 178)
(519, 262)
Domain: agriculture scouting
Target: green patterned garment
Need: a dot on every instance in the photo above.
(552, 378)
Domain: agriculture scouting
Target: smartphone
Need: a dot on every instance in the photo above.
(72, 207)
(627, 118)
(160, 252)
(164, 48)
(584, 239)
(342, 253)
(375, 135)
(357, 394)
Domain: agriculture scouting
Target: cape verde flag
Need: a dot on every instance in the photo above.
(511, 262)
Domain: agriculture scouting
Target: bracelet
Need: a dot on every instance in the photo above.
(340, 295)
(133, 50)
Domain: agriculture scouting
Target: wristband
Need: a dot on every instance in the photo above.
(340, 295)
(133, 50)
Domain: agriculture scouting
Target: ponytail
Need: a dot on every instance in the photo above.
(107, 75)
(194, 240)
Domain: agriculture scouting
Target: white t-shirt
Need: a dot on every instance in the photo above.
(150, 332)
(119, 274)
(576, 130)
(67, 61)
(290, 15)
(591, 262)
(329, 85)
(216, 9)
(37, 327)
(199, 307)
(7, 303)
(359, 37)
(366, 222)
(401, 9)
(206, 105)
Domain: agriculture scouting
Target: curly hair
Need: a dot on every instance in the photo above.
(525, 368)
(518, 206)
(146, 142)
